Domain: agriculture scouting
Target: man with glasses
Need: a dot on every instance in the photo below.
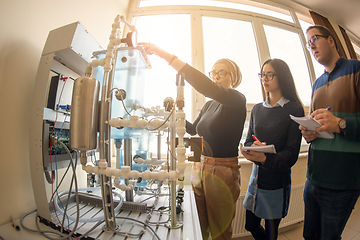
(333, 175)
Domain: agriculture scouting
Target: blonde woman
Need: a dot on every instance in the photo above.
(220, 124)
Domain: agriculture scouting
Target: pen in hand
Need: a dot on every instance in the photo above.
(260, 143)
(328, 108)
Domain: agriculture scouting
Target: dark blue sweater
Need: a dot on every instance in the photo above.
(274, 126)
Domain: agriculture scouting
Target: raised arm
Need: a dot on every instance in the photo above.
(173, 60)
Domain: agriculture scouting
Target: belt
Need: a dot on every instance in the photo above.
(226, 162)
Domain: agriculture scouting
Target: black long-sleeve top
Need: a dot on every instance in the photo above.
(274, 126)
(221, 120)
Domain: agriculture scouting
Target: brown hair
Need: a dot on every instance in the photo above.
(324, 31)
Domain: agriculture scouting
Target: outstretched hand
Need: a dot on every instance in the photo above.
(151, 48)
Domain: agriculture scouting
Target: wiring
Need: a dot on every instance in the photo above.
(52, 134)
(71, 233)
(122, 100)
(167, 119)
(56, 169)
(92, 158)
(67, 201)
(62, 179)
(36, 231)
(76, 198)
(92, 229)
(138, 221)
(55, 235)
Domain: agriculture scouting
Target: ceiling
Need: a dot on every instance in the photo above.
(345, 12)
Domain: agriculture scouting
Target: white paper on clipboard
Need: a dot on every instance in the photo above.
(265, 149)
(311, 124)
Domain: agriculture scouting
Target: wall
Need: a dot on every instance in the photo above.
(24, 29)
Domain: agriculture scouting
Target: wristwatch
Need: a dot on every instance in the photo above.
(342, 126)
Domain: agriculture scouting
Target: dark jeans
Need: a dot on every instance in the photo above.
(257, 231)
(327, 211)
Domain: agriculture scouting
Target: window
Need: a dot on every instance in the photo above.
(286, 45)
(172, 33)
(239, 46)
(357, 50)
(254, 7)
(248, 33)
(318, 68)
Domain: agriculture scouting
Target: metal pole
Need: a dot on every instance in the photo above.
(129, 195)
(173, 168)
(104, 150)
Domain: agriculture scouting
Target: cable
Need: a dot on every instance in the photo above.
(122, 100)
(67, 201)
(88, 219)
(76, 198)
(146, 199)
(145, 225)
(67, 150)
(91, 229)
(125, 107)
(92, 158)
(35, 231)
(72, 179)
(163, 222)
(62, 179)
(172, 112)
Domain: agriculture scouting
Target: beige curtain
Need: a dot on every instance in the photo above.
(323, 21)
(348, 43)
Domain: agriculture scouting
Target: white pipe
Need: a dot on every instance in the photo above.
(134, 122)
(152, 161)
(114, 41)
(180, 130)
(132, 27)
(123, 187)
(125, 173)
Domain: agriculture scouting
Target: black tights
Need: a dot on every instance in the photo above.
(258, 232)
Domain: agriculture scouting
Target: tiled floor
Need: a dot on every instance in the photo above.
(351, 232)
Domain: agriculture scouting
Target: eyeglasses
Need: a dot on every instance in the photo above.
(221, 74)
(314, 40)
(269, 76)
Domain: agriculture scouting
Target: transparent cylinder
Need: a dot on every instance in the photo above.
(129, 75)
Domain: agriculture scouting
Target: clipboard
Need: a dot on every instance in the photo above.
(311, 124)
(265, 149)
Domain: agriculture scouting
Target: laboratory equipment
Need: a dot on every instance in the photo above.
(107, 105)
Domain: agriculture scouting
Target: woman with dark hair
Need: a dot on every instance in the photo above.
(268, 193)
(220, 123)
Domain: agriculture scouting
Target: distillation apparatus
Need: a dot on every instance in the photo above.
(91, 125)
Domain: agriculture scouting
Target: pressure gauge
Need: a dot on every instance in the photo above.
(131, 39)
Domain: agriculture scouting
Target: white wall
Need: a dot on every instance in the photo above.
(24, 29)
